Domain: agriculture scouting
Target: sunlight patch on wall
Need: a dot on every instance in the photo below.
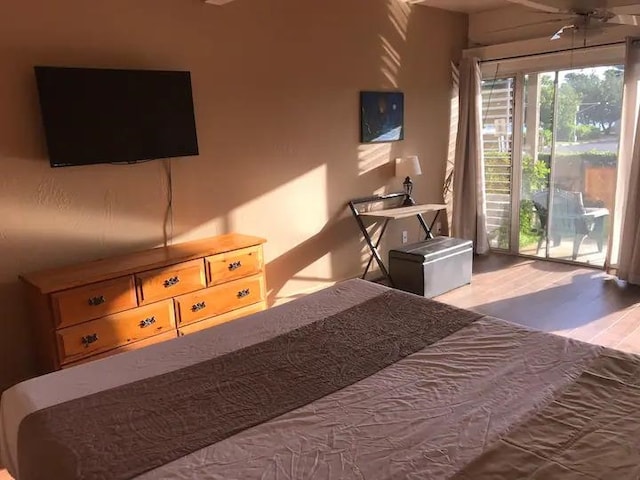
(304, 199)
(399, 13)
(382, 190)
(390, 62)
(210, 228)
(372, 156)
(292, 217)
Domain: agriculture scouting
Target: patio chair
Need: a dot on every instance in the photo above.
(569, 217)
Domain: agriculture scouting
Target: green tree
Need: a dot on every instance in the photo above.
(547, 97)
(601, 97)
(568, 106)
(569, 101)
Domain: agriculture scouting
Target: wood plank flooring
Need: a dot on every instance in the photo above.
(577, 302)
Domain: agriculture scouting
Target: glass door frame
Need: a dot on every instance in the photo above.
(516, 163)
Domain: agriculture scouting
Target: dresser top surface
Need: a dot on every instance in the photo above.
(56, 279)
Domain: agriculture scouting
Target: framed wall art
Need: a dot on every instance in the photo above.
(381, 117)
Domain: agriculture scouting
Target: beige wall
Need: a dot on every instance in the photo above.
(276, 98)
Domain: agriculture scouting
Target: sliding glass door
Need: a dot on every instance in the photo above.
(562, 159)
(569, 164)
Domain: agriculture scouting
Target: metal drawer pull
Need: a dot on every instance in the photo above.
(170, 282)
(196, 307)
(94, 301)
(243, 293)
(147, 322)
(89, 339)
(235, 265)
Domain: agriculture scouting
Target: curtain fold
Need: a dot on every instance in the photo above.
(447, 190)
(469, 203)
(623, 257)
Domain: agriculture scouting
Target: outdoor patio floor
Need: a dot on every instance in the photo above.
(588, 253)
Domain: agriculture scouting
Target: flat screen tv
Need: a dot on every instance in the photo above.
(94, 115)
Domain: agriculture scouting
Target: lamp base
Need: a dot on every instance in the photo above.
(408, 190)
(408, 186)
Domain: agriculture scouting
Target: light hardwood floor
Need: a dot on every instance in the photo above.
(577, 302)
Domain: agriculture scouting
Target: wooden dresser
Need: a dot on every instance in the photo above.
(95, 309)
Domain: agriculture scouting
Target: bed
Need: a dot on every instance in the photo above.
(357, 381)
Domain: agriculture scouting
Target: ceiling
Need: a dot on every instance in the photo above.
(467, 6)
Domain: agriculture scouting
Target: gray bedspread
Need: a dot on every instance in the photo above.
(488, 400)
(146, 424)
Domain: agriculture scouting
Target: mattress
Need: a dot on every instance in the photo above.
(489, 400)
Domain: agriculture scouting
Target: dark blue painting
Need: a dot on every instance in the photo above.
(381, 117)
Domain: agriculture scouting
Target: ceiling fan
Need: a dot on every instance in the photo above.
(584, 16)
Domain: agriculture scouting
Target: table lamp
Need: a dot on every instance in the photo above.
(407, 167)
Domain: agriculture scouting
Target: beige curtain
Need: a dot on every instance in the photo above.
(623, 257)
(469, 206)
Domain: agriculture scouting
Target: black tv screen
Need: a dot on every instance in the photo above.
(94, 115)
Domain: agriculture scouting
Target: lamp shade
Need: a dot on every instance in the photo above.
(408, 166)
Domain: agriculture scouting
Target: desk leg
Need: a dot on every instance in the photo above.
(374, 251)
(428, 229)
(425, 227)
(433, 222)
(373, 247)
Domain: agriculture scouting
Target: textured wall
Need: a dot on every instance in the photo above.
(276, 97)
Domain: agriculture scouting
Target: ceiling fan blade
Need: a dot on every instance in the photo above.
(633, 20)
(558, 34)
(536, 5)
(559, 21)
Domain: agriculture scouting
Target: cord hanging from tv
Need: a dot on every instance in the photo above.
(94, 115)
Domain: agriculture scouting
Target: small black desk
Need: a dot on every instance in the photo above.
(408, 209)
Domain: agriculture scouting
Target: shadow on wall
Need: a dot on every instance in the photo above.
(288, 266)
(16, 354)
(339, 239)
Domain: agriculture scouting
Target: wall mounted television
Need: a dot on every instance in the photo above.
(95, 115)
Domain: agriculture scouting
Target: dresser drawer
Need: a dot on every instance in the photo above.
(168, 282)
(93, 301)
(223, 318)
(228, 266)
(161, 337)
(114, 331)
(220, 299)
